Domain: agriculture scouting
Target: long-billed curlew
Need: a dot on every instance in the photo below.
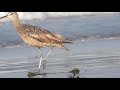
(37, 37)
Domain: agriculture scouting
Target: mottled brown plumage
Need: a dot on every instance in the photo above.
(36, 36)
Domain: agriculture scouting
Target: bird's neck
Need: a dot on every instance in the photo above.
(16, 22)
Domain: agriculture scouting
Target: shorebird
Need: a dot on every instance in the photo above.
(36, 36)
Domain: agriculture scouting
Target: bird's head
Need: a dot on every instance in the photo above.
(10, 15)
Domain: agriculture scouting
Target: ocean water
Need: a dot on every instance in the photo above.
(45, 15)
(95, 49)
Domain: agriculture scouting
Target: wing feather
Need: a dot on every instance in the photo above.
(43, 35)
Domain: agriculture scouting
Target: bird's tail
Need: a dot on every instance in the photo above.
(60, 45)
(67, 41)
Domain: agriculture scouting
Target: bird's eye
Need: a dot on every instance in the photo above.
(9, 14)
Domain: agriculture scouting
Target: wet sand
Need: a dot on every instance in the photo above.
(95, 57)
(91, 58)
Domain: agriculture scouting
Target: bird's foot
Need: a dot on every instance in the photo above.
(33, 74)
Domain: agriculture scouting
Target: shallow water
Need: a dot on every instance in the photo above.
(92, 58)
(95, 51)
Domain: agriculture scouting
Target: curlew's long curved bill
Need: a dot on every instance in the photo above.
(4, 16)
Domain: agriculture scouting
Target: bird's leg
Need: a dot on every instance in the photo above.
(43, 59)
(40, 63)
(48, 54)
(44, 64)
